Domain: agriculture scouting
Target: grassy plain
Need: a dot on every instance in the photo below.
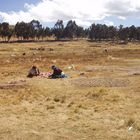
(100, 99)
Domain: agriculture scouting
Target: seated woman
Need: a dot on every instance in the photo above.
(57, 73)
(34, 71)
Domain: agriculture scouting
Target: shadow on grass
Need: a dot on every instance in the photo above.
(37, 41)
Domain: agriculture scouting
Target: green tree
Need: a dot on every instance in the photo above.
(58, 29)
(80, 32)
(37, 29)
(132, 32)
(123, 33)
(24, 30)
(71, 30)
(6, 32)
(112, 32)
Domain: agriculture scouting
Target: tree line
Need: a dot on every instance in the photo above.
(35, 31)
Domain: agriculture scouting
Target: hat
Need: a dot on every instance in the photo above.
(33, 66)
(53, 67)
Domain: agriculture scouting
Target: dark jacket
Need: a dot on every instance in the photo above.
(56, 71)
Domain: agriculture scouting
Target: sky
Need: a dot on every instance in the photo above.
(84, 12)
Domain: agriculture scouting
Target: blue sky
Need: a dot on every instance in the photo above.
(84, 12)
(14, 5)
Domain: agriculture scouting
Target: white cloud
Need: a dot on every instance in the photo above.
(14, 17)
(121, 17)
(83, 11)
(109, 23)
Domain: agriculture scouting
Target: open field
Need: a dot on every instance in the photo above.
(100, 99)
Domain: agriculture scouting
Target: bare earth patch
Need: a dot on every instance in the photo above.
(100, 82)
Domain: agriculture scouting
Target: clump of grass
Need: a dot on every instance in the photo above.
(56, 99)
(97, 94)
(130, 122)
(82, 106)
(70, 104)
(138, 127)
(50, 107)
(76, 110)
(114, 98)
(102, 90)
(60, 99)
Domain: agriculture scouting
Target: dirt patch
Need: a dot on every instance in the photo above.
(100, 82)
(9, 86)
(13, 84)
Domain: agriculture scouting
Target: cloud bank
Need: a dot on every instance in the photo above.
(84, 12)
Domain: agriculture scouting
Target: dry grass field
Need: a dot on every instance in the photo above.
(100, 99)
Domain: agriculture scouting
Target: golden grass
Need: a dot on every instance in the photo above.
(99, 99)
